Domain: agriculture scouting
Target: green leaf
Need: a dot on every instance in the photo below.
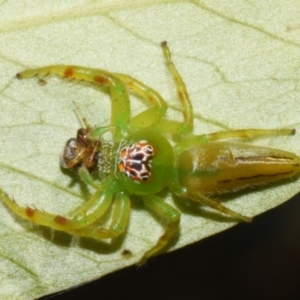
(241, 66)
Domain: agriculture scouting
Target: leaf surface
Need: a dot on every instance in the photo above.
(240, 62)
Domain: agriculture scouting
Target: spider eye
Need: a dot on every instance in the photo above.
(149, 149)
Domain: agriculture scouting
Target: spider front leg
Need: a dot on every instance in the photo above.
(117, 84)
(81, 223)
(120, 106)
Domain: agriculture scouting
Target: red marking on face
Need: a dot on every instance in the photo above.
(101, 80)
(60, 220)
(30, 212)
(69, 72)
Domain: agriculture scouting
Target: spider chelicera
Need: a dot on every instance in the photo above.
(141, 160)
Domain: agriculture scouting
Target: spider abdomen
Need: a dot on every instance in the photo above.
(224, 167)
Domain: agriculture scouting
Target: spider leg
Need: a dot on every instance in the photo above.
(168, 214)
(120, 217)
(229, 134)
(117, 83)
(187, 109)
(153, 116)
(120, 106)
(149, 116)
(197, 197)
(92, 210)
(219, 207)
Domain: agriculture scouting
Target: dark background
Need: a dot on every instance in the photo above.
(260, 260)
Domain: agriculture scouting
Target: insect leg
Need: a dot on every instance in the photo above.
(86, 177)
(172, 218)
